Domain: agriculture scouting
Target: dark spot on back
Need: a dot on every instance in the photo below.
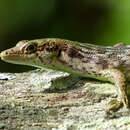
(73, 52)
(83, 68)
(112, 55)
(87, 59)
(103, 63)
(93, 71)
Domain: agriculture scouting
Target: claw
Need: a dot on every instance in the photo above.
(114, 105)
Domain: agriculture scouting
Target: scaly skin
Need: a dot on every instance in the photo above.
(102, 63)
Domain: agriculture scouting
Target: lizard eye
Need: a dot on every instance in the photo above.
(31, 48)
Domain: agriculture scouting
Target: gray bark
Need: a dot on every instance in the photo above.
(50, 100)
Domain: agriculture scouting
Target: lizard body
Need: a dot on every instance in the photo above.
(111, 63)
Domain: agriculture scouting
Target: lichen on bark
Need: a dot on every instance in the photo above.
(55, 100)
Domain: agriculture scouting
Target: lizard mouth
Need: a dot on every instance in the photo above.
(10, 57)
(16, 57)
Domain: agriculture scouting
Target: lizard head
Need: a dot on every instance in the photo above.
(39, 53)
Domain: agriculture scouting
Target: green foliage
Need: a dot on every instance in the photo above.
(100, 22)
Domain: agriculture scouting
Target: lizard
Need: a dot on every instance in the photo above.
(107, 63)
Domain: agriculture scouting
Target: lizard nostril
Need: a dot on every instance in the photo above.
(6, 53)
(3, 53)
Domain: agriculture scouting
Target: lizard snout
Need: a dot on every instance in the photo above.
(7, 54)
(3, 54)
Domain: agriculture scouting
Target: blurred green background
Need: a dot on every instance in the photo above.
(103, 22)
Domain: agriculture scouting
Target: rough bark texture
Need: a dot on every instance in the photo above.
(50, 100)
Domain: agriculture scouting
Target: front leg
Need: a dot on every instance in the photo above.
(119, 79)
